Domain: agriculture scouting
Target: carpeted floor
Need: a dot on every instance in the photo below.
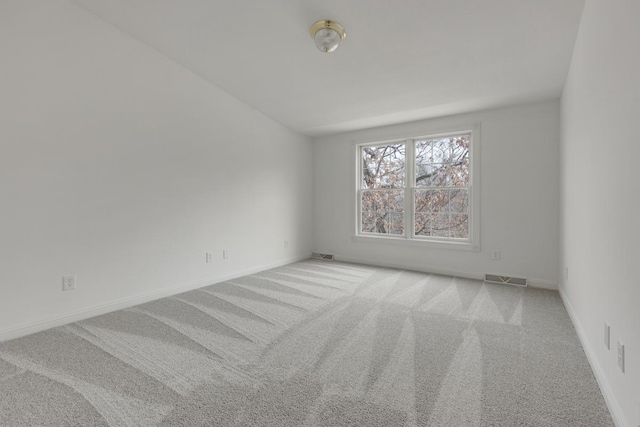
(314, 343)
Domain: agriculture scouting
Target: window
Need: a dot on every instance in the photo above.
(383, 183)
(420, 190)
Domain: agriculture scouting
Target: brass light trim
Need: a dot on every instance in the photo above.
(332, 25)
(332, 34)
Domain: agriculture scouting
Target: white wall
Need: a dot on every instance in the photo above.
(601, 196)
(122, 167)
(519, 197)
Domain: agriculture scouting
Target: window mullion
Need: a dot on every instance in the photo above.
(359, 211)
(410, 162)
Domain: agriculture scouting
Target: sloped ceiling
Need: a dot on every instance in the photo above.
(402, 60)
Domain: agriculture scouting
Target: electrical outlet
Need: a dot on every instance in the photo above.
(68, 283)
(208, 257)
(495, 254)
(607, 336)
(621, 356)
(225, 254)
(286, 244)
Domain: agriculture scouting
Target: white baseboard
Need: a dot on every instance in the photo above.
(409, 266)
(543, 284)
(534, 283)
(609, 399)
(86, 313)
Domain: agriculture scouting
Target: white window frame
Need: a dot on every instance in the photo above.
(408, 238)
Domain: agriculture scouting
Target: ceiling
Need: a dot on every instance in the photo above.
(402, 60)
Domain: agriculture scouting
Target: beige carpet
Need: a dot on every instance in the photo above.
(314, 343)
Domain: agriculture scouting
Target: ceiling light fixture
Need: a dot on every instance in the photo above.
(327, 35)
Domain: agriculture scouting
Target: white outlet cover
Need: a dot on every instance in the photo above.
(68, 283)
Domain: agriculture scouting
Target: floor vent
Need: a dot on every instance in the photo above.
(505, 280)
(327, 257)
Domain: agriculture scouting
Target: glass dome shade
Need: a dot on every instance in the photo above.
(327, 40)
(327, 35)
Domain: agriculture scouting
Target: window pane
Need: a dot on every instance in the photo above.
(459, 225)
(421, 201)
(374, 200)
(375, 222)
(431, 200)
(383, 166)
(423, 223)
(450, 150)
(459, 201)
(442, 175)
(432, 224)
(368, 222)
(454, 175)
(427, 174)
(396, 200)
(383, 211)
(443, 162)
(441, 225)
(424, 152)
(396, 223)
(441, 151)
(381, 224)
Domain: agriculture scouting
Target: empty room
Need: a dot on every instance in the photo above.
(319, 213)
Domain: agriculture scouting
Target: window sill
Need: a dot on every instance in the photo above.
(402, 241)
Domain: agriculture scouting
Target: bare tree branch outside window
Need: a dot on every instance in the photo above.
(441, 197)
(383, 174)
(439, 188)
